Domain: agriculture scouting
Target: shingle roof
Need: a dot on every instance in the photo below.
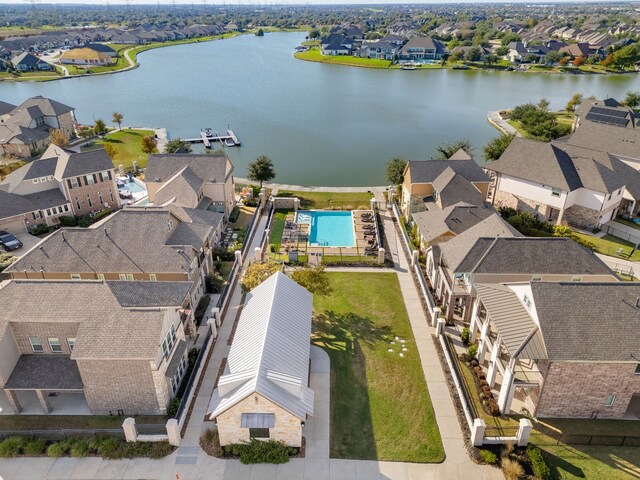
(87, 162)
(49, 107)
(150, 294)
(270, 350)
(426, 171)
(455, 219)
(209, 168)
(596, 322)
(453, 188)
(532, 256)
(12, 205)
(184, 187)
(47, 199)
(45, 372)
(605, 138)
(5, 107)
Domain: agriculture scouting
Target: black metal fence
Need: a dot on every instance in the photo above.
(552, 439)
(151, 428)
(64, 433)
(461, 378)
(188, 391)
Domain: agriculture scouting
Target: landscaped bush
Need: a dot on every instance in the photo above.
(511, 468)
(34, 447)
(84, 221)
(487, 456)
(561, 231)
(6, 259)
(210, 442)
(472, 351)
(56, 450)
(101, 214)
(257, 451)
(201, 309)
(235, 213)
(173, 407)
(80, 448)
(251, 202)
(68, 221)
(11, 447)
(110, 447)
(39, 229)
(538, 463)
(465, 336)
(222, 254)
(214, 283)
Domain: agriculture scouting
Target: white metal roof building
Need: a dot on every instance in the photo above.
(269, 355)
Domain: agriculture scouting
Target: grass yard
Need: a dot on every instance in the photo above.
(277, 226)
(320, 200)
(316, 56)
(380, 405)
(128, 145)
(245, 217)
(53, 422)
(610, 245)
(577, 463)
(563, 118)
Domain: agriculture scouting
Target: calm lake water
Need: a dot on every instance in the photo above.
(320, 124)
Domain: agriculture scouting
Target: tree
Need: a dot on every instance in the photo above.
(314, 279)
(261, 170)
(313, 34)
(111, 151)
(564, 61)
(395, 170)
(607, 62)
(257, 273)
(260, 33)
(543, 104)
(456, 56)
(473, 54)
(632, 99)
(59, 138)
(85, 132)
(445, 150)
(510, 37)
(552, 57)
(490, 59)
(177, 145)
(117, 119)
(627, 56)
(502, 51)
(148, 144)
(496, 147)
(575, 100)
(578, 61)
(100, 128)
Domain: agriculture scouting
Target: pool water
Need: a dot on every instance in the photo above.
(328, 228)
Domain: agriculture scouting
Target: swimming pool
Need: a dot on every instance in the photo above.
(328, 228)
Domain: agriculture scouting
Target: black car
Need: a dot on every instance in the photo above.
(9, 241)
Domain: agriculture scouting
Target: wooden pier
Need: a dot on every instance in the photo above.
(208, 136)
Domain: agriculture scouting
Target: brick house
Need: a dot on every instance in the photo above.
(150, 244)
(24, 129)
(116, 348)
(60, 183)
(204, 182)
(561, 349)
(263, 391)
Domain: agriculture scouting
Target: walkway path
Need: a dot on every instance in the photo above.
(302, 188)
(496, 120)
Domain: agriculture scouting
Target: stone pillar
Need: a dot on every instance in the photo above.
(135, 166)
(13, 400)
(215, 312)
(493, 363)
(44, 402)
(482, 344)
(261, 198)
(507, 389)
(437, 312)
(477, 432)
(560, 217)
(414, 258)
(130, 430)
(257, 254)
(296, 204)
(173, 432)
(524, 431)
(121, 170)
(381, 253)
(212, 325)
(238, 255)
(473, 327)
(440, 324)
(373, 203)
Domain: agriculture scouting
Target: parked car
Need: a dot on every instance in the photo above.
(9, 241)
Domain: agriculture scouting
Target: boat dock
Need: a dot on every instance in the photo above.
(208, 136)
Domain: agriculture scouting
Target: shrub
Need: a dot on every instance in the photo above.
(493, 407)
(11, 447)
(515, 221)
(101, 214)
(506, 212)
(474, 363)
(160, 449)
(222, 254)
(40, 229)
(235, 213)
(68, 221)
(214, 282)
(251, 202)
(487, 456)
(472, 351)
(538, 463)
(110, 447)
(561, 231)
(56, 450)
(201, 308)
(483, 383)
(465, 336)
(257, 451)
(486, 390)
(210, 442)
(84, 221)
(6, 260)
(34, 447)
(512, 469)
(173, 407)
(193, 355)
(79, 448)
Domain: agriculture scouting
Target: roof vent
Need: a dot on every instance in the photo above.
(105, 232)
(63, 239)
(638, 302)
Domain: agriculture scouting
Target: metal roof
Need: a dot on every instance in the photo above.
(270, 350)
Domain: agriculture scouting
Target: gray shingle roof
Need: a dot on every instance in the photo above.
(426, 171)
(189, 234)
(183, 187)
(454, 188)
(615, 140)
(47, 199)
(47, 106)
(150, 294)
(455, 219)
(40, 168)
(209, 168)
(12, 205)
(596, 322)
(45, 372)
(5, 107)
(87, 162)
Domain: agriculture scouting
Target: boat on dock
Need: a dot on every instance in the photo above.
(209, 136)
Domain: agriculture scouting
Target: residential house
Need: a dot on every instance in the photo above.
(102, 48)
(24, 129)
(404, 28)
(561, 349)
(194, 181)
(85, 56)
(153, 244)
(27, 62)
(380, 49)
(349, 30)
(422, 48)
(576, 50)
(337, 44)
(60, 183)
(118, 346)
(264, 390)
(563, 183)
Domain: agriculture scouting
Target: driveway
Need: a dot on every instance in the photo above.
(28, 242)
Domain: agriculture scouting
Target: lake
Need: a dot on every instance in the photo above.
(320, 124)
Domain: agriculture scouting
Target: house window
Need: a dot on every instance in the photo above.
(111, 195)
(122, 276)
(556, 192)
(610, 400)
(43, 179)
(54, 344)
(100, 198)
(89, 180)
(169, 341)
(75, 276)
(152, 277)
(66, 208)
(72, 343)
(74, 183)
(258, 433)
(130, 277)
(35, 180)
(36, 215)
(78, 203)
(170, 225)
(105, 176)
(101, 276)
(48, 212)
(36, 344)
(89, 201)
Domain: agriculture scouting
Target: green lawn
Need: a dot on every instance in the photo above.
(380, 405)
(320, 200)
(277, 226)
(128, 145)
(52, 422)
(316, 56)
(610, 245)
(587, 462)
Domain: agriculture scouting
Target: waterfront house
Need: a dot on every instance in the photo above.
(85, 56)
(422, 48)
(105, 348)
(560, 349)
(381, 49)
(102, 48)
(337, 44)
(27, 62)
(264, 391)
(577, 50)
